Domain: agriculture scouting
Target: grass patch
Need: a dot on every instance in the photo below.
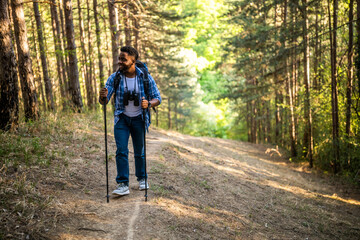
(158, 168)
(35, 152)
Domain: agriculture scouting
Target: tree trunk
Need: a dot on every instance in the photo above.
(357, 58)
(110, 70)
(175, 116)
(58, 49)
(9, 90)
(349, 70)
(316, 57)
(277, 116)
(71, 48)
(91, 63)
(294, 69)
(308, 135)
(289, 96)
(113, 19)
(24, 62)
(259, 120)
(126, 17)
(67, 68)
(263, 125)
(268, 122)
(169, 114)
(38, 79)
(98, 43)
(248, 120)
(47, 81)
(254, 122)
(334, 91)
(88, 87)
(136, 24)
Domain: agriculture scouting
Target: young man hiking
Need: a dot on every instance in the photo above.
(134, 90)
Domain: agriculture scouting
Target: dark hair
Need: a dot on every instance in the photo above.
(131, 51)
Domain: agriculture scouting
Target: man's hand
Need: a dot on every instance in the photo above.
(144, 103)
(103, 95)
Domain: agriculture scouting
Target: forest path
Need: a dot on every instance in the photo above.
(202, 188)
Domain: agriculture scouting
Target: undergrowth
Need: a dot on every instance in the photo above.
(28, 157)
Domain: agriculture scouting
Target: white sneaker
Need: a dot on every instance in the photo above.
(142, 184)
(122, 189)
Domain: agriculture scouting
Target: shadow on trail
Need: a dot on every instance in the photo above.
(231, 190)
(206, 188)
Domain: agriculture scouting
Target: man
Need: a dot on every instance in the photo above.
(130, 100)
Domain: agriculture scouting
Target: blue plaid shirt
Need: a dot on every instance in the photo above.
(119, 105)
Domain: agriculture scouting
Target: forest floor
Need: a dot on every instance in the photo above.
(200, 188)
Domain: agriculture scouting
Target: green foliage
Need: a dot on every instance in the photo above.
(349, 156)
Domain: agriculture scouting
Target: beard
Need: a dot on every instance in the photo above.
(124, 68)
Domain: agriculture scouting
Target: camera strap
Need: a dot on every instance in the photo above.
(126, 85)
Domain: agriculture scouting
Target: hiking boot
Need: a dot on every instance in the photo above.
(122, 189)
(142, 184)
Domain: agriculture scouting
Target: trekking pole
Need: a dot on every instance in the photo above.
(106, 154)
(144, 114)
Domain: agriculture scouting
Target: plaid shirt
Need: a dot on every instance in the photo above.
(119, 105)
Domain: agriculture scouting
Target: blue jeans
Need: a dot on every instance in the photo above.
(122, 130)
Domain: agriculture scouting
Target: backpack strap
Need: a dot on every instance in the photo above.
(116, 82)
(142, 66)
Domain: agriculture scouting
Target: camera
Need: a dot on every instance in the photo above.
(131, 96)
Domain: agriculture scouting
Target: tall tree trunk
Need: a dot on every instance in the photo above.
(316, 57)
(113, 19)
(71, 48)
(294, 68)
(91, 63)
(308, 135)
(334, 91)
(47, 81)
(289, 96)
(24, 62)
(98, 43)
(126, 17)
(85, 60)
(67, 68)
(110, 70)
(357, 58)
(38, 79)
(136, 24)
(350, 69)
(60, 64)
(9, 90)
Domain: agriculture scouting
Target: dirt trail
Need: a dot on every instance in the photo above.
(203, 188)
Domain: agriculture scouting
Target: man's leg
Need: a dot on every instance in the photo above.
(121, 131)
(137, 135)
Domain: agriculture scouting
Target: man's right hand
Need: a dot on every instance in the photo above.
(103, 95)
